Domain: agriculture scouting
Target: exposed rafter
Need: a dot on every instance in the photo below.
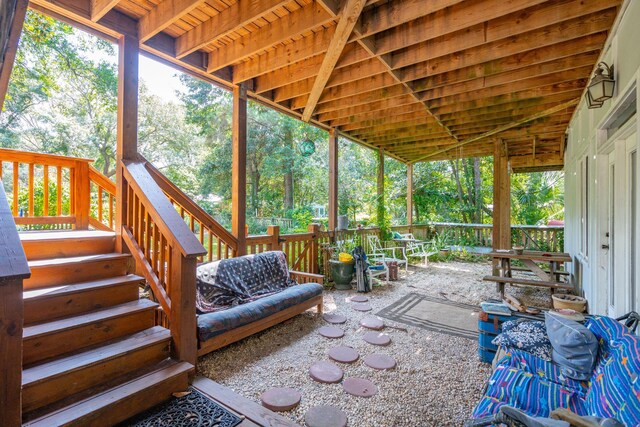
(99, 8)
(502, 128)
(163, 15)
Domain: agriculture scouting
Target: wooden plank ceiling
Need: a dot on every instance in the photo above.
(421, 79)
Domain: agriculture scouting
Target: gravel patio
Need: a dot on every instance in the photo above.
(438, 377)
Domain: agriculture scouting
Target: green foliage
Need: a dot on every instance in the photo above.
(303, 216)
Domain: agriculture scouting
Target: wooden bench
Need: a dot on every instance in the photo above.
(560, 273)
(528, 282)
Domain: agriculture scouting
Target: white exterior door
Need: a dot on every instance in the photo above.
(618, 256)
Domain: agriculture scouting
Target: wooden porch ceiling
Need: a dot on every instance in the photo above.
(421, 79)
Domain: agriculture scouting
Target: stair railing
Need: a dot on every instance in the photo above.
(13, 270)
(166, 253)
(217, 240)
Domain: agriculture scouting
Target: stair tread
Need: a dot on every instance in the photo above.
(87, 318)
(76, 259)
(113, 395)
(56, 291)
(77, 361)
(29, 236)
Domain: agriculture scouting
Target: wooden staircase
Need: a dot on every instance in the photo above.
(92, 354)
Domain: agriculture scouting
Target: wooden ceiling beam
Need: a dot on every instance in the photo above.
(304, 19)
(483, 124)
(378, 81)
(405, 130)
(462, 118)
(527, 97)
(527, 73)
(350, 14)
(456, 18)
(391, 112)
(228, 20)
(427, 64)
(365, 98)
(381, 104)
(355, 97)
(518, 123)
(166, 13)
(577, 74)
(99, 8)
(565, 50)
(284, 56)
(417, 117)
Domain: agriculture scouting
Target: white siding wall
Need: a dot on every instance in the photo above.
(586, 142)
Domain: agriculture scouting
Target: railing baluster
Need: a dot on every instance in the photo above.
(16, 188)
(30, 192)
(100, 196)
(59, 190)
(45, 190)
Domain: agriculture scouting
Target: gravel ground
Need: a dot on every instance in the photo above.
(437, 381)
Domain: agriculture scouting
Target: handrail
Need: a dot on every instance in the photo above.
(13, 270)
(10, 155)
(159, 208)
(166, 253)
(13, 262)
(209, 228)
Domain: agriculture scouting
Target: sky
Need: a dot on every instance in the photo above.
(160, 79)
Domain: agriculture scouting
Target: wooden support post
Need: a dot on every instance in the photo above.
(274, 232)
(501, 197)
(183, 307)
(381, 208)
(410, 196)
(127, 138)
(13, 13)
(239, 168)
(13, 270)
(315, 229)
(333, 179)
(82, 198)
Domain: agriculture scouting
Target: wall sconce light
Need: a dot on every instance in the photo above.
(601, 86)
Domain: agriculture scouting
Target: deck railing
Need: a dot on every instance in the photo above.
(217, 240)
(56, 192)
(166, 253)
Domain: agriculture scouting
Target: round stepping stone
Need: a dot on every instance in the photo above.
(362, 307)
(377, 338)
(359, 298)
(380, 361)
(325, 416)
(359, 387)
(334, 318)
(343, 354)
(326, 372)
(372, 322)
(331, 332)
(281, 399)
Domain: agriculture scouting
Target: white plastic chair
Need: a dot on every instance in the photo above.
(377, 253)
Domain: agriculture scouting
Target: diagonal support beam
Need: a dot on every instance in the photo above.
(163, 15)
(350, 14)
(503, 128)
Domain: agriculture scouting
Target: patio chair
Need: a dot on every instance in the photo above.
(418, 249)
(377, 253)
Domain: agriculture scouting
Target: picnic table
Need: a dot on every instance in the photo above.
(552, 275)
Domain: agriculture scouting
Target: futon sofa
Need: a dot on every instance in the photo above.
(537, 387)
(240, 296)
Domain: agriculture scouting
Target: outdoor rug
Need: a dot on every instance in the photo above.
(193, 410)
(434, 314)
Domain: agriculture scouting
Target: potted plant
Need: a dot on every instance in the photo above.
(343, 267)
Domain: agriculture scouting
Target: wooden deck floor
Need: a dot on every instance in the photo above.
(254, 413)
